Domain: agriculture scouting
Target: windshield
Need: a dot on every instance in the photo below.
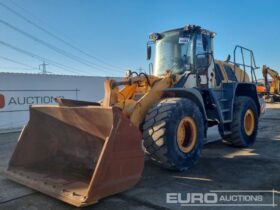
(173, 52)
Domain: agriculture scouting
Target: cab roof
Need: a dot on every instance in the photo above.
(192, 28)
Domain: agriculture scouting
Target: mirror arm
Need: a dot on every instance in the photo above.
(149, 50)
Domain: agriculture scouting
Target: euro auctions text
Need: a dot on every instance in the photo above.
(223, 198)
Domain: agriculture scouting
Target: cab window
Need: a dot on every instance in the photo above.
(218, 74)
(203, 44)
(230, 73)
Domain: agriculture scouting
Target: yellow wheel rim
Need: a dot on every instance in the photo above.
(186, 134)
(249, 122)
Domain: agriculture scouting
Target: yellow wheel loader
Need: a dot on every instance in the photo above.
(80, 152)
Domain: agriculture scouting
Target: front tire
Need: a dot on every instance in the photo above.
(173, 133)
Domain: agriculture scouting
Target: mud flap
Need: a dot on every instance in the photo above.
(77, 154)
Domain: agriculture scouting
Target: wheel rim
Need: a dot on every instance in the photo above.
(249, 122)
(186, 134)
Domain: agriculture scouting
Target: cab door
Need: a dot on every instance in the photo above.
(204, 60)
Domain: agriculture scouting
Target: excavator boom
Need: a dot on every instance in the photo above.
(272, 87)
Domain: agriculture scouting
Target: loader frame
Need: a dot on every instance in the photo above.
(80, 152)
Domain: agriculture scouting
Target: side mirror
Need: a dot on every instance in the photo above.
(149, 52)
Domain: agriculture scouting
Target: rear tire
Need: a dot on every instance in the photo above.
(173, 133)
(244, 126)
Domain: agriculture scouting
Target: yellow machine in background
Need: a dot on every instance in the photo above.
(273, 86)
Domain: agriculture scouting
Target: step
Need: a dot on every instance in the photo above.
(214, 105)
(227, 133)
(225, 110)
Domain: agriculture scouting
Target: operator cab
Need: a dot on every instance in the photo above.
(187, 52)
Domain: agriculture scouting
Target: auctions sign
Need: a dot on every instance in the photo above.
(30, 100)
(20, 100)
(2, 101)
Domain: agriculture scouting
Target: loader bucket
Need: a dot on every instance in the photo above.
(77, 154)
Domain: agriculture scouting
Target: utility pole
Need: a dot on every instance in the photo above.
(44, 69)
(140, 69)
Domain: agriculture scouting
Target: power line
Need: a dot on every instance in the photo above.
(53, 35)
(56, 49)
(54, 63)
(17, 62)
(15, 68)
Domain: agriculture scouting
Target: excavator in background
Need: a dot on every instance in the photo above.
(272, 87)
(80, 152)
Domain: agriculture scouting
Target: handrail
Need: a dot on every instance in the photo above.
(252, 65)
